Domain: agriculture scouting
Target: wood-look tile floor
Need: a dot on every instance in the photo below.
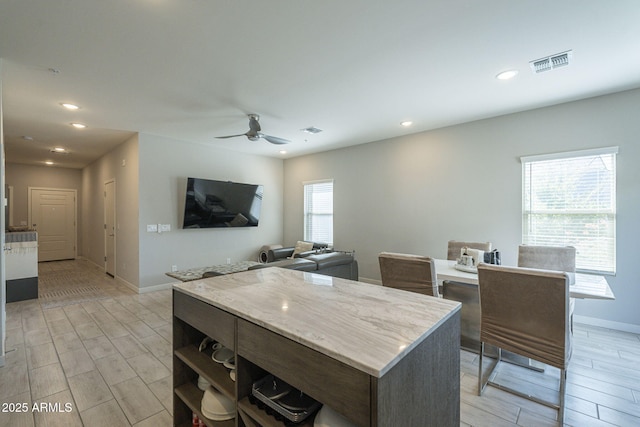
(104, 353)
(95, 348)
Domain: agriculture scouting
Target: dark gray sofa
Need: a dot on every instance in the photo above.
(336, 264)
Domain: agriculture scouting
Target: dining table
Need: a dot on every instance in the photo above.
(585, 286)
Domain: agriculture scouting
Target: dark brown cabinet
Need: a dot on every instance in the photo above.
(420, 389)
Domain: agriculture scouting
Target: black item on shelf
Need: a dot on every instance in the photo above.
(294, 405)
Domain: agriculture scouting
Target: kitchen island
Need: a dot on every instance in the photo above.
(379, 356)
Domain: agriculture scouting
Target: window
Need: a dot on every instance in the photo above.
(569, 199)
(318, 211)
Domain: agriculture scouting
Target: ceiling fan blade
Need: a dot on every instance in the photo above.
(274, 139)
(230, 136)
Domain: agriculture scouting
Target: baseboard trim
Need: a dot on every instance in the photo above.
(129, 285)
(155, 288)
(609, 324)
(120, 280)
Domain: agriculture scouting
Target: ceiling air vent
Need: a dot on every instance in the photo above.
(551, 62)
(311, 130)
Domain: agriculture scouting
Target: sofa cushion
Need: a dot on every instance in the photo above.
(301, 264)
(301, 247)
(330, 259)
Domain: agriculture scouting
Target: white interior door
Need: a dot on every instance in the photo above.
(52, 214)
(110, 228)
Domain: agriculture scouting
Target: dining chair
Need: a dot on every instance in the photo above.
(415, 273)
(559, 258)
(466, 294)
(525, 311)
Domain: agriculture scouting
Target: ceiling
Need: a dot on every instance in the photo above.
(193, 69)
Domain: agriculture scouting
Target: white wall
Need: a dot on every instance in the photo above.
(94, 176)
(414, 193)
(165, 164)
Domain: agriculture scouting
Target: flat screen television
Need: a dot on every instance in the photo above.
(210, 204)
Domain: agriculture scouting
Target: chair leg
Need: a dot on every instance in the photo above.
(563, 384)
(481, 383)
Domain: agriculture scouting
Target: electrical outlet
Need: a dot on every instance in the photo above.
(228, 261)
(174, 268)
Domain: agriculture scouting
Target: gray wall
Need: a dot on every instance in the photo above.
(109, 167)
(21, 177)
(165, 164)
(414, 193)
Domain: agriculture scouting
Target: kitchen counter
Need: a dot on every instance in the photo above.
(378, 356)
(196, 273)
(366, 326)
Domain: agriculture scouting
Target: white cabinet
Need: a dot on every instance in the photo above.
(21, 265)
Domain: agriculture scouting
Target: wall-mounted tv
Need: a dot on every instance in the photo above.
(210, 203)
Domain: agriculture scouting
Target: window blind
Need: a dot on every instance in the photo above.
(569, 199)
(318, 211)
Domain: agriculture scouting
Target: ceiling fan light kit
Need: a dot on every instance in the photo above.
(254, 133)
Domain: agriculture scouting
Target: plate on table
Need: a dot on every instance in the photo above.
(466, 268)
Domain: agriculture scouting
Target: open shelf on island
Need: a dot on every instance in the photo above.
(215, 373)
(191, 395)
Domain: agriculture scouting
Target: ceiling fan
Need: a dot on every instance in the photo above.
(254, 133)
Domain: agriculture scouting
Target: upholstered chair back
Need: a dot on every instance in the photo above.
(415, 273)
(526, 311)
(559, 258)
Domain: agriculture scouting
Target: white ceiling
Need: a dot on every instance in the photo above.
(192, 69)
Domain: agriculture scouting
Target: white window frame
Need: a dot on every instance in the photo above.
(566, 235)
(310, 212)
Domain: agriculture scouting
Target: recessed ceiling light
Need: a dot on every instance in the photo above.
(78, 125)
(70, 106)
(48, 162)
(27, 138)
(507, 75)
(406, 123)
(58, 150)
(283, 151)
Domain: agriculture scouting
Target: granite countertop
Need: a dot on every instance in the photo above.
(368, 327)
(196, 273)
(20, 236)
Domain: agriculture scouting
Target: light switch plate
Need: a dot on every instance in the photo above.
(152, 228)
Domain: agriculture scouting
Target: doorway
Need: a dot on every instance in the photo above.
(52, 213)
(110, 227)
